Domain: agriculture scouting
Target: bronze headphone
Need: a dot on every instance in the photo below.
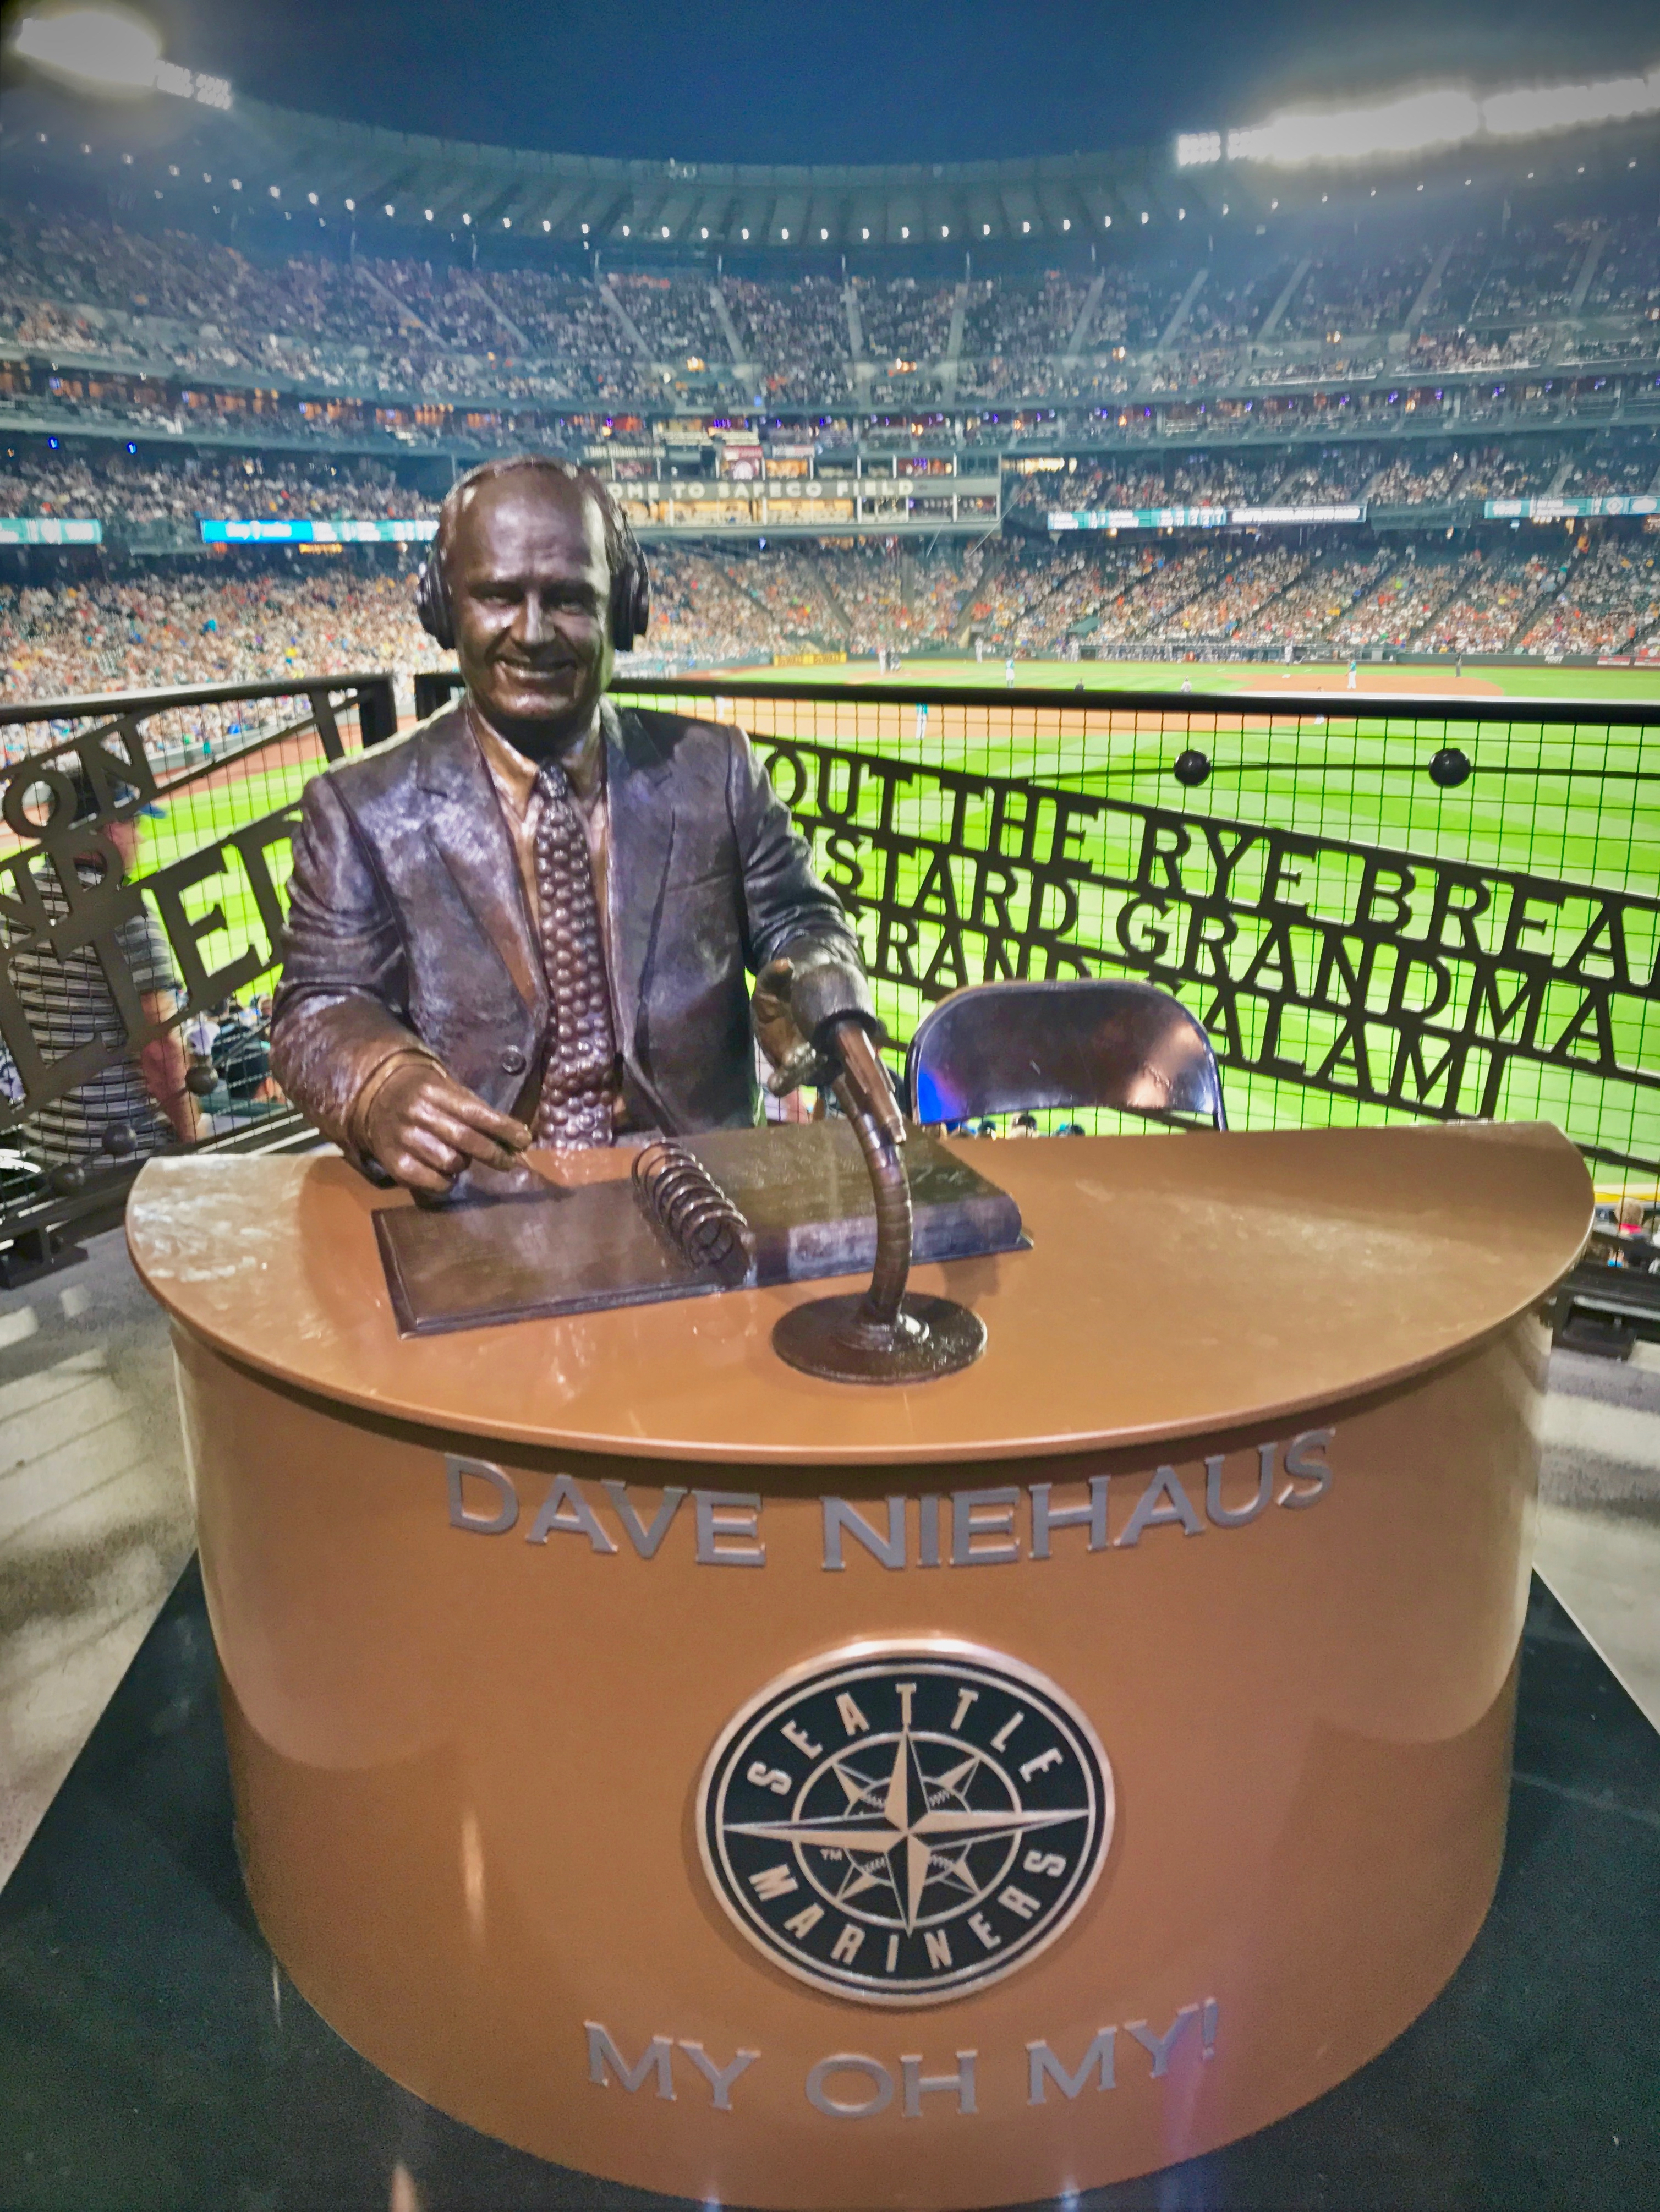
(630, 581)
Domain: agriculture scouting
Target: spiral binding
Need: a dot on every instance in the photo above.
(680, 1195)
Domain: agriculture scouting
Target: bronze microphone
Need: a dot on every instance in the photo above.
(890, 1334)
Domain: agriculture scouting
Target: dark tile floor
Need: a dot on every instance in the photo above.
(152, 2055)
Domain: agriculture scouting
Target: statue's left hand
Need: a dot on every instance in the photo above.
(793, 1058)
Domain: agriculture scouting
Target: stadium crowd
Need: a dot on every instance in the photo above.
(1426, 474)
(713, 604)
(200, 339)
(142, 487)
(1607, 602)
(123, 487)
(173, 302)
(161, 629)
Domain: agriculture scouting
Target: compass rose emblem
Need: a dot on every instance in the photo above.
(900, 1824)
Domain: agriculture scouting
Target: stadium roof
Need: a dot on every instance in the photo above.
(176, 159)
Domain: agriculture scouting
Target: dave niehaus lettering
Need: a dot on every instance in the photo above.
(852, 2085)
(991, 1527)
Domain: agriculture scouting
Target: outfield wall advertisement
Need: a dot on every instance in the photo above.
(48, 530)
(1140, 518)
(1198, 518)
(1570, 510)
(413, 531)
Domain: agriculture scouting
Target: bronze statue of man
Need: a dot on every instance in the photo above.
(533, 920)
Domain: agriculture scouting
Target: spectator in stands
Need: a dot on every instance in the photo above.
(240, 1052)
(137, 1102)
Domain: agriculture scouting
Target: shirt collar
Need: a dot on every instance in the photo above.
(514, 776)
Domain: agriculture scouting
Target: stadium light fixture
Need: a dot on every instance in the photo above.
(863, 234)
(585, 231)
(1066, 222)
(785, 236)
(110, 49)
(944, 230)
(1420, 121)
(866, 233)
(427, 213)
(1412, 123)
(1529, 111)
(311, 197)
(104, 49)
(192, 84)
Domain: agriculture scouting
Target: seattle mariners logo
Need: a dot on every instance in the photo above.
(902, 1824)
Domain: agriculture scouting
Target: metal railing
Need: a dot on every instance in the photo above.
(1381, 907)
(143, 862)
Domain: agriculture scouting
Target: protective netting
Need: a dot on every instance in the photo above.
(1379, 913)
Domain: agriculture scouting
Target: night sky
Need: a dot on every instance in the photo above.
(871, 80)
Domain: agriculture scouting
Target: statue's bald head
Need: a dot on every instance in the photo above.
(536, 476)
(528, 566)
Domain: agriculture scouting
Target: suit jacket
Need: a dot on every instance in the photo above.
(406, 917)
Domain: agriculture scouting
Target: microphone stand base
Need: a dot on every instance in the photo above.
(835, 1337)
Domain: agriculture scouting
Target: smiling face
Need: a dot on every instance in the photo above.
(530, 592)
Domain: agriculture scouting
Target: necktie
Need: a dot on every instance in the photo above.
(579, 1073)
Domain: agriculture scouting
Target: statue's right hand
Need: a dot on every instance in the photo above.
(424, 1128)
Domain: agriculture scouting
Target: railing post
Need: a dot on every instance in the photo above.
(322, 710)
(433, 689)
(377, 711)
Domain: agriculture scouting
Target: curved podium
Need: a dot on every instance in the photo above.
(787, 1794)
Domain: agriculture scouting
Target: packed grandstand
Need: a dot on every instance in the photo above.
(163, 305)
(1388, 430)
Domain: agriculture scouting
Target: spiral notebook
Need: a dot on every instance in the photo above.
(803, 1188)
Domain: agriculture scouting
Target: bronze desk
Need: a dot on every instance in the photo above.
(469, 1695)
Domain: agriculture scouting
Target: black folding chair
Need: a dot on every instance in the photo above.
(1020, 1047)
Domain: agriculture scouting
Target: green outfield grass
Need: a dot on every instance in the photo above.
(1635, 686)
(1575, 803)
